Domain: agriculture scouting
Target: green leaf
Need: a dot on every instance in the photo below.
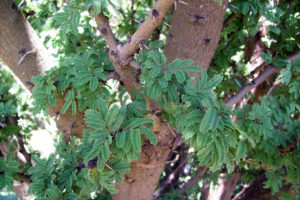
(149, 134)
(83, 77)
(208, 120)
(174, 64)
(116, 125)
(52, 100)
(111, 114)
(100, 163)
(173, 93)
(193, 68)
(180, 64)
(73, 108)
(240, 150)
(105, 151)
(216, 80)
(180, 76)
(94, 119)
(75, 23)
(120, 139)
(136, 140)
(93, 83)
(66, 106)
(168, 75)
(140, 121)
(128, 143)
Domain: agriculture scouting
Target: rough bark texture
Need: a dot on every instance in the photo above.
(195, 31)
(226, 187)
(144, 175)
(23, 52)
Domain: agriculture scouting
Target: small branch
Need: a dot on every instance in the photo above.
(270, 70)
(201, 171)
(154, 19)
(228, 20)
(23, 150)
(103, 26)
(164, 185)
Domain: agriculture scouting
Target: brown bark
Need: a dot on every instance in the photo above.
(144, 175)
(225, 188)
(205, 189)
(195, 31)
(23, 52)
(202, 19)
(268, 71)
(255, 191)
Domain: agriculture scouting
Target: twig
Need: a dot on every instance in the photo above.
(270, 70)
(159, 11)
(24, 55)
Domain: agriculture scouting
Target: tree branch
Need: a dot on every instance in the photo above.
(270, 70)
(113, 75)
(154, 19)
(103, 26)
(201, 171)
(22, 150)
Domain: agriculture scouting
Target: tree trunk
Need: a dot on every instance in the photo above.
(225, 188)
(144, 174)
(195, 31)
(23, 52)
(194, 35)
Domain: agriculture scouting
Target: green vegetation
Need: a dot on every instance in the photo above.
(257, 137)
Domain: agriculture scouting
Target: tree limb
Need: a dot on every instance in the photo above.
(103, 26)
(154, 19)
(201, 171)
(270, 70)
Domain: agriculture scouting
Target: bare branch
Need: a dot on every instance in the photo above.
(103, 26)
(201, 171)
(270, 70)
(154, 19)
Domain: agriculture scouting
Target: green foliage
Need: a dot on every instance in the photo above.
(118, 128)
(8, 168)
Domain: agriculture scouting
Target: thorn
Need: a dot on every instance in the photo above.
(24, 53)
(183, 2)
